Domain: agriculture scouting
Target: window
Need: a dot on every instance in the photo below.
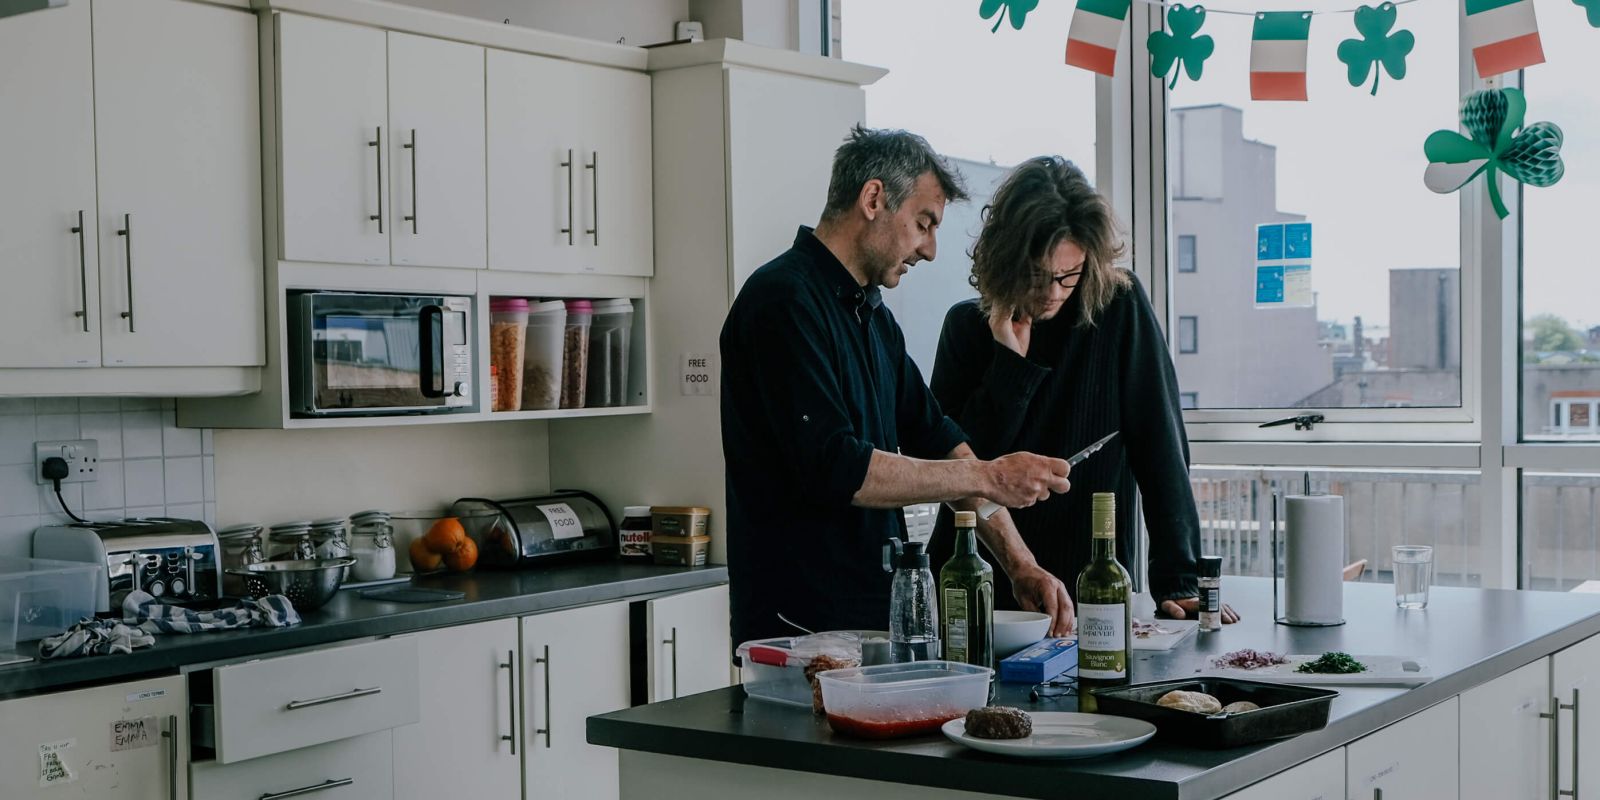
(1189, 336)
(1560, 529)
(1186, 253)
(1188, 400)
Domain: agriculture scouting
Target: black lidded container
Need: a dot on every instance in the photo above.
(1286, 710)
(523, 537)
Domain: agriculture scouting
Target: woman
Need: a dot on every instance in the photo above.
(1061, 348)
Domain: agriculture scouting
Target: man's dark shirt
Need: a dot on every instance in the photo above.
(814, 378)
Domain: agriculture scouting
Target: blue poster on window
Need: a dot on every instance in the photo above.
(1297, 241)
(1269, 242)
(1269, 285)
(1283, 265)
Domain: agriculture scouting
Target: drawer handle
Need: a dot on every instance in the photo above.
(332, 698)
(545, 731)
(510, 666)
(673, 643)
(324, 786)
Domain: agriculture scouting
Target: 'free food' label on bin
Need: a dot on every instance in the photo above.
(563, 521)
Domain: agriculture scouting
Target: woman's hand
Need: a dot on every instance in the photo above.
(1011, 328)
(1189, 608)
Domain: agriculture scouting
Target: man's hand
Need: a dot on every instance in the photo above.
(1011, 328)
(1019, 480)
(1038, 590)
(1189, 607)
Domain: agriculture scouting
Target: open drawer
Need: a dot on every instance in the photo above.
(288, 702)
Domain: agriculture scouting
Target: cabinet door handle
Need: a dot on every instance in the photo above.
(1576, 761)
(83, 273)
(594, 196)
(567, 165)
(673, 643)
(332, 698)
(321, 787)
(510, 666)
(1554, 716)
(412, 146)
(377, 157)
(171, 735)
(1377, 794)
(126, 232)
(545, 660)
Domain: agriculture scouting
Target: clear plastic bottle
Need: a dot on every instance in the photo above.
(913, 608)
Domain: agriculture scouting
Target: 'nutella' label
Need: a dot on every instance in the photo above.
(635, 544)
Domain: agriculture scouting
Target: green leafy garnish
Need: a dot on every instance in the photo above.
(1334, 663)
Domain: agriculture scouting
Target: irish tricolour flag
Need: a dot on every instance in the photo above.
(1278, 55)
(1503, 34)
(1096, 29)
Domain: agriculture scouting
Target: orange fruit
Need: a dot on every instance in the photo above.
(463, 556)
(445, 535)
(422, 558)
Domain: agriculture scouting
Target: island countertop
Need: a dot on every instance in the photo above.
(1466, 637)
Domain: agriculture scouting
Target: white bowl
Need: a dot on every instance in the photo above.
(1015, 630)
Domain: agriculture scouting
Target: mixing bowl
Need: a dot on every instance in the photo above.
(308, 584)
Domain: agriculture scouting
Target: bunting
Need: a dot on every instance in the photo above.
(1096, 30)
(1278, 55)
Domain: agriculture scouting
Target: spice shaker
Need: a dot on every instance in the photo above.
(1211, 593)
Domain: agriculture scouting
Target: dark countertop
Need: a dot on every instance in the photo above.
(1466, 636)
(489, 595)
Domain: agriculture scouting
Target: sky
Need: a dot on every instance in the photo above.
(1350, 161)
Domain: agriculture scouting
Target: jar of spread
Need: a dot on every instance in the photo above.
(634, 534)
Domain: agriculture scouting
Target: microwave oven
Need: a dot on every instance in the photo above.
(379, 354)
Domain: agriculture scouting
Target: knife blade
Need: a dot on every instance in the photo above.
(987, 510)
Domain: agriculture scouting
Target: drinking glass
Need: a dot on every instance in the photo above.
(1413, 573)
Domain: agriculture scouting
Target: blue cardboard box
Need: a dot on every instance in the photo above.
(1041, 662)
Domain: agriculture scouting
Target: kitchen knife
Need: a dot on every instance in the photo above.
(988, 508)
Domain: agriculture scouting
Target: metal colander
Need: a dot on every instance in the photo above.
(309, 584)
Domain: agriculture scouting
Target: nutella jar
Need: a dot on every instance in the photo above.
(634, 534)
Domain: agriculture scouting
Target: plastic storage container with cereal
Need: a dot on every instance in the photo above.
(575, 353)
(508, 330)
(541, 360)
(609, 335)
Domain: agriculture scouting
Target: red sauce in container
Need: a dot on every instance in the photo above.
(922, 721)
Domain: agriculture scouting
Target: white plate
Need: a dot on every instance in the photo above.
(1180, 630)
(1061, 734)
(1381, 671)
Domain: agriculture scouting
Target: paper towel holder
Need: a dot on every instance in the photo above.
(1277, 616)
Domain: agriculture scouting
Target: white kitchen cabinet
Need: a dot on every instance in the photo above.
(574, 666)
(1574, 671)
(358, 768)
(1417, 758)
(128, 740)
(48, 263)
(178, 138)
(1321, 778)
(570, 167)
(1505, 744)
(688, 642)
(436, 152)
(468, 720)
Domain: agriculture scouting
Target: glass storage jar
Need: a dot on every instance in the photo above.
(241, 547)
(372, 544)
(291, 541)
(332, 540)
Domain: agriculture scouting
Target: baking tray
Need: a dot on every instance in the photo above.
(1285, 710)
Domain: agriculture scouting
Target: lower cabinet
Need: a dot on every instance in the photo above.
(687, 643)
(466, 742)
(1417, 758)
(1575, 683)
(359, 768)
(128, 740)
(1321, 778)
(1505, 739)
(574, 666)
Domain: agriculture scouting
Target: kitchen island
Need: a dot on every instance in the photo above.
(721, 745)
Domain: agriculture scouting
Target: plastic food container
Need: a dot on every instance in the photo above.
(680, 551)
(508, 330)
(541, 359)
(40, 597)
(894, 700)
(775, 669)
(1285, 710)
(609, 335)
(575, 353)
(680, 520)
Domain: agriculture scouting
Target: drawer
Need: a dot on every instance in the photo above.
(349, 769)
(284, 703)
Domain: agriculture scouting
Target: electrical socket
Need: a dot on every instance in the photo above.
(82, 456)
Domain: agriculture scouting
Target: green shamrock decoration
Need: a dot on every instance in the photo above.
(1493, 117)
(1377, 46)
(997, 8)
(1180, 45)
(1593, 7)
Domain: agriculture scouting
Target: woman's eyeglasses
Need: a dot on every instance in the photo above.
(1061, 280)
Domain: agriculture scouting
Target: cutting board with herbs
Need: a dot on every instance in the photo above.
(1333, 669)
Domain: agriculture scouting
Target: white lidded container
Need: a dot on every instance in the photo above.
(610, 331)
(775, 669)
(541, 356)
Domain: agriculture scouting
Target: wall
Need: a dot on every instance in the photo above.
(639, 22)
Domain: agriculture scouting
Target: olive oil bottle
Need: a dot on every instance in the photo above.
(966, 599)
(1105, 613)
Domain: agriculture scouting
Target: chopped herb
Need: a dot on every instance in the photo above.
(1334, 663)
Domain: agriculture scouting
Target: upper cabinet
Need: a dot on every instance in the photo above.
(130, 187)
(570, 167)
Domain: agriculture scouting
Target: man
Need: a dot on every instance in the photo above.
(827, 426)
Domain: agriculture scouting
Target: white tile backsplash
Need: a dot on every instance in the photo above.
(148, 466)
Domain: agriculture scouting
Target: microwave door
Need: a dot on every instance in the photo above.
(373, 354)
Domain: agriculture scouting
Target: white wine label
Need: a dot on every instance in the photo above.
(1103, 641)
(955, 625)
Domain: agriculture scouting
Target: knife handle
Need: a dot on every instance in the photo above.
(987, 510)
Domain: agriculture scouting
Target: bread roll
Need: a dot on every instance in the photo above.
(1198, 702)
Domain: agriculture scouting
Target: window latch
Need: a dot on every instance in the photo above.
(1302, 422)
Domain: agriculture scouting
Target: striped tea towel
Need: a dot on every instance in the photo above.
(143, 616)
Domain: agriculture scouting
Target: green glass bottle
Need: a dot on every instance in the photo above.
(966, 599)
(1105, 613)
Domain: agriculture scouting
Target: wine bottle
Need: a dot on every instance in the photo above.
(1105, 615)
(966, 595)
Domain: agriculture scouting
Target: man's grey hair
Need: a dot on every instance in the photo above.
(897, 158)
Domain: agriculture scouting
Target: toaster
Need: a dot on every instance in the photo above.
(174, 560)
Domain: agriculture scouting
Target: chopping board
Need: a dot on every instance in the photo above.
(1176, 631)
(1381, 671)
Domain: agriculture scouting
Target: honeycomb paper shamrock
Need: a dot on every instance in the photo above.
(1493, 117)
(997, 8)
(1593, 7)
(1377, 50)
(1179, 46)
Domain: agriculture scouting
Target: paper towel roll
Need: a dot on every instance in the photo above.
(1314, 559)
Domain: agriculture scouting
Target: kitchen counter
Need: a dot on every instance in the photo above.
(1466, 636)
(489, 595)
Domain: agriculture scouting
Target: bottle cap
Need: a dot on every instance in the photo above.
(1211, 566)
(1105, 500)
(912, 557)
(966, 519)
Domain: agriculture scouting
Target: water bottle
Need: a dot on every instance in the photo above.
(913, 610)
